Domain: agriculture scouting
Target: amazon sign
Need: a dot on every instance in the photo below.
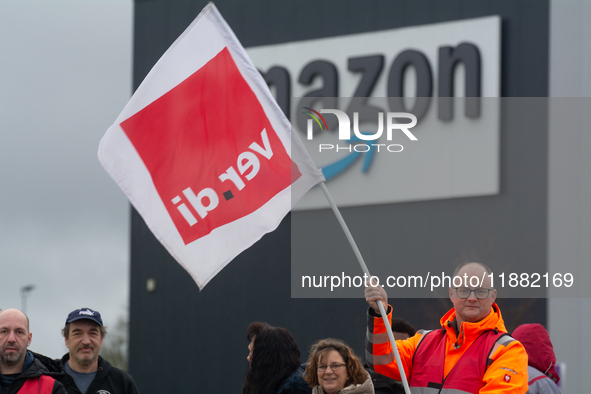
(438, 83)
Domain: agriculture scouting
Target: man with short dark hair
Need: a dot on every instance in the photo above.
(85, 371)
(471, 353)
(22, 371)
(402, 329)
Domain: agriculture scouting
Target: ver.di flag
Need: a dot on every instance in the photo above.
(204, 153)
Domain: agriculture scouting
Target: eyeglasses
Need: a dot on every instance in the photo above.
(480, 293)
(333, 367)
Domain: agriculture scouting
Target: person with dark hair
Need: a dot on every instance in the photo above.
(470, 353)
(402, 329)
(334, 368)
(541, 359)
(274, 362)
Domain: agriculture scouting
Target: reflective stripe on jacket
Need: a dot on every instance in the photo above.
(506, 373)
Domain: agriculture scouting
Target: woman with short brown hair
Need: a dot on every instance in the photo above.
(334, 368)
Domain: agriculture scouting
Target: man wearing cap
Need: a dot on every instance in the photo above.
(22, 371)
(85, 371)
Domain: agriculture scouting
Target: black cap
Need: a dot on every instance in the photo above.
(85, 313)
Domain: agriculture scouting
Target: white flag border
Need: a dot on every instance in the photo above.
(160, 222)
(275, 114)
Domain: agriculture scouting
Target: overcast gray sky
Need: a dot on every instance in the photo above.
(65, 75)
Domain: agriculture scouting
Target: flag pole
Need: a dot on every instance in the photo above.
(337, 213)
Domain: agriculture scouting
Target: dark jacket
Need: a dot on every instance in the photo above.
(295, 383)
(383, 384)
(35, 370)
(108, 380)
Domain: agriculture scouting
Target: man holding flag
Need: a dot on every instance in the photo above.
(471, 353)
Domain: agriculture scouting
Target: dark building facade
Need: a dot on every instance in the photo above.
(183, 340)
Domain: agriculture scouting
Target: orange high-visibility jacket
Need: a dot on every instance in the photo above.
(507, 369)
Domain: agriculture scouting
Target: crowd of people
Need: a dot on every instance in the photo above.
(471, 353)
(79, 371)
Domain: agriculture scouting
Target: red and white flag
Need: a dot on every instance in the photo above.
(204, 153)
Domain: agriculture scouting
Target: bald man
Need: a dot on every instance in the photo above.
(20, 370)
(470, 353)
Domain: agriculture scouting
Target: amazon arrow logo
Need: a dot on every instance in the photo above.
(334, 169)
